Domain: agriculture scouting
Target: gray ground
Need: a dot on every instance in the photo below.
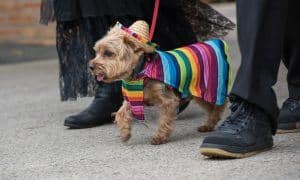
(35, 145)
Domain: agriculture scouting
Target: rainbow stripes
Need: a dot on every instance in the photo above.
(200, 70)
(134, 94)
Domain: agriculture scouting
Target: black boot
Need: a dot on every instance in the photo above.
(289, 116)
(245, 132)
(108, 99)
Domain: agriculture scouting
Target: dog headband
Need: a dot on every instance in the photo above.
(137, 36)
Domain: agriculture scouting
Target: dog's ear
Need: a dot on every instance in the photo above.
(136, 48)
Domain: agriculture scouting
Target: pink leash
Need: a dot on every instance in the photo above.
(154, 19)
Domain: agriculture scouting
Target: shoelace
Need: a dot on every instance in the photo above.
(239, 110)
(291, 103)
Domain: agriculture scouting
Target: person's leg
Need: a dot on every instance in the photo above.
(261, 25)
(289, 117)
(291, 55)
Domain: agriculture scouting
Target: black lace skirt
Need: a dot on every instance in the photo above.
(79, 27)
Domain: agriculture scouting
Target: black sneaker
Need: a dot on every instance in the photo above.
(289, 116)
(245, 132)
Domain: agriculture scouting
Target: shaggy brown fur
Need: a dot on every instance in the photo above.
(117, 56)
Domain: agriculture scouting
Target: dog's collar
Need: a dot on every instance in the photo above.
(141, 63)
(139, 67)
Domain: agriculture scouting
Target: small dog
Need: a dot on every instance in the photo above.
(117, 55)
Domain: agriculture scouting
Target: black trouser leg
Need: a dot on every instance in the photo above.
(261, 25)
(291, 55)
(289, 117)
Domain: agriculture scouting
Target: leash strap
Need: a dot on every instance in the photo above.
(154, 18)
(143, 58)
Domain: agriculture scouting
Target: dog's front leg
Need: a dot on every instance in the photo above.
(123, 120)
(168, 103)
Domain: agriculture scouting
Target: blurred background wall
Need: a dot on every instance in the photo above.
(19, 23)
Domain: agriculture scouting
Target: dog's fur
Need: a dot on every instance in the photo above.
(116, 57)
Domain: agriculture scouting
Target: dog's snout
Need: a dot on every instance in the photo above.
(91, 66)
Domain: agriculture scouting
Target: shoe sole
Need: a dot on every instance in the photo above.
(285, 131)
(74, 126)
(220, 153)
(213, 152)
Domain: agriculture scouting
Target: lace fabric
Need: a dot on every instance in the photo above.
(206, 22)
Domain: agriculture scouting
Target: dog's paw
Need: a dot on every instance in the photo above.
(205, 128)
(158, 141)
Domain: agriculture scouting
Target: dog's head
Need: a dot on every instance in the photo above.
(117, 54)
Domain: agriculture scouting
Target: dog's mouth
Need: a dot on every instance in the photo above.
(103, 78)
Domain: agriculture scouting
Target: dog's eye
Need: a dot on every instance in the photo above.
(107, 53)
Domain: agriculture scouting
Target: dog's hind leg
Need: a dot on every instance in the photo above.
(214, 114)
(167, 102)
(123, 120)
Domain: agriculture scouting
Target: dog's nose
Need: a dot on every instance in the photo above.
(91, 66)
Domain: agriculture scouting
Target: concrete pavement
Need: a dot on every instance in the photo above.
(35, 145)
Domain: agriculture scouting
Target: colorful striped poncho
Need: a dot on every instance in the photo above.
(200, 70)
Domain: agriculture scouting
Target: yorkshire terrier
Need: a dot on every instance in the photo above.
(117, 56)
